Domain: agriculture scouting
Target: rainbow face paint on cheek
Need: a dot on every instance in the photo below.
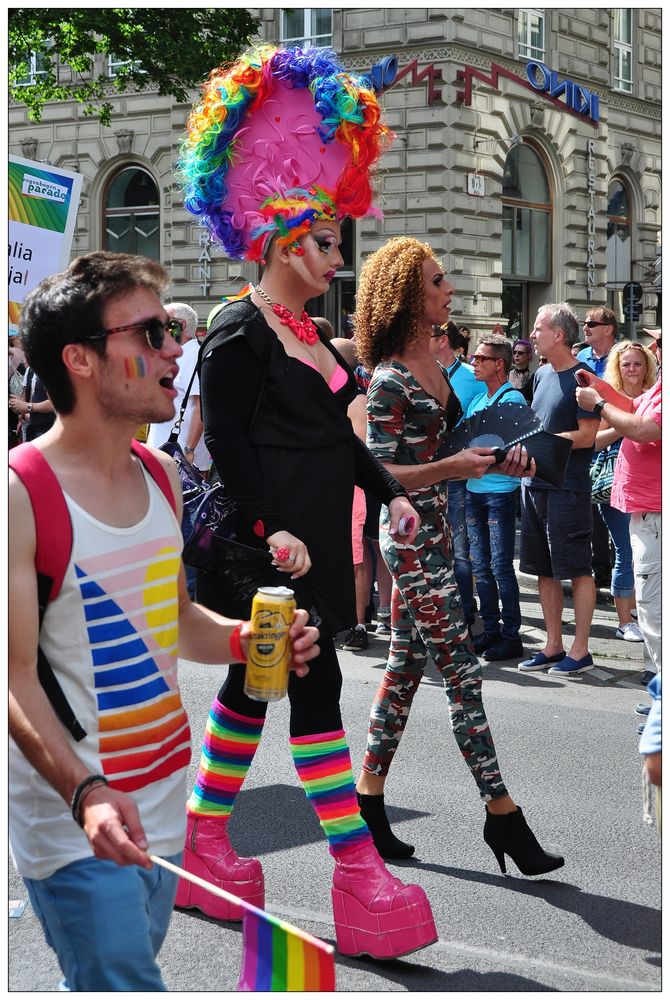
(135, 367)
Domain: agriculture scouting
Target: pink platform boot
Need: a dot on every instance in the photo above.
(375, 913)
(209, 854)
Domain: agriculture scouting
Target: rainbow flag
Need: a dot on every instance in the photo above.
(280, 958)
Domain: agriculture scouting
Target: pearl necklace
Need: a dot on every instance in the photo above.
(304, 328)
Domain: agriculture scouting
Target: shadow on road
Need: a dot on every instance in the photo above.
(617, 920)
(278, 817)
(423, 978)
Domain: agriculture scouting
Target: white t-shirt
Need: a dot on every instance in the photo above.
(111, 638)
(159, 433)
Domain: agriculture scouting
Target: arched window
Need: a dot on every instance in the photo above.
(132, 213)
(526, 234)
(618, 243)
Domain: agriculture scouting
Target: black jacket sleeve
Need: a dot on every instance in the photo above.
(231, 377)
(373, 477)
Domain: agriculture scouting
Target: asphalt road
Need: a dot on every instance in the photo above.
(568, 752)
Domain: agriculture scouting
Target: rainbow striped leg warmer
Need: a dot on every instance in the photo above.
(227, 752)
(324, 767)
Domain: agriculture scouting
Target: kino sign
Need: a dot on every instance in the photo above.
(577, 100)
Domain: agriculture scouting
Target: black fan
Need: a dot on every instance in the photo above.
(503, 425)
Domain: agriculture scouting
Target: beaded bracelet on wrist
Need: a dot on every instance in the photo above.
(81, 791)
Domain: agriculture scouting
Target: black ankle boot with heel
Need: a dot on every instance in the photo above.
(510, 834)
(388, 845)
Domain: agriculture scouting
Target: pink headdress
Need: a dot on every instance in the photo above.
(277, 140)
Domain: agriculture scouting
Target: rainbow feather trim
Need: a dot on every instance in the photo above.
(345, 112)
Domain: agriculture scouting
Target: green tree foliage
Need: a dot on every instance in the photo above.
(171, 49)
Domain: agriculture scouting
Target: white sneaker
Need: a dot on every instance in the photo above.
(630, 632)
(633, 613)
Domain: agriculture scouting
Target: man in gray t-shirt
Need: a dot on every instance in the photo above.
(556, 523)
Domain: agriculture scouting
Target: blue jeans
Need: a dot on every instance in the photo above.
(491, 521)
(106, 923)
(456, 492)
(618, 525)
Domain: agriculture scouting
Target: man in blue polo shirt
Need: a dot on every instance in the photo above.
(600, 334)
(444, 342)
(490, 508)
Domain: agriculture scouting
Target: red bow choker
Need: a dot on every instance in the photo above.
(304, 328)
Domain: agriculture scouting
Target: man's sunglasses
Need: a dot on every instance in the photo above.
(594, 322)
(154, 330)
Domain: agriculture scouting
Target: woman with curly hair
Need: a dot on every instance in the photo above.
(403, 299)
(631, 369)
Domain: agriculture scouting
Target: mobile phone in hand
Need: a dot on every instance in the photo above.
(581, 377)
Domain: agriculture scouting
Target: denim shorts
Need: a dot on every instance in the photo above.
(106, 923)
(555, 533)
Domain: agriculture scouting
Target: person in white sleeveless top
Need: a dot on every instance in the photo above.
(86, 812)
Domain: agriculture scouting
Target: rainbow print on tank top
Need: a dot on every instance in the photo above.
(131, 610)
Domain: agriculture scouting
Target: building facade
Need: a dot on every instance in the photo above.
(527, 154)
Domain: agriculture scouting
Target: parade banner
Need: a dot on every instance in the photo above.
(43, 203)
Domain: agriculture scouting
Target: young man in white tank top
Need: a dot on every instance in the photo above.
(101, 340)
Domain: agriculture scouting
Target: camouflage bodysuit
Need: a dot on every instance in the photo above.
(405, 427)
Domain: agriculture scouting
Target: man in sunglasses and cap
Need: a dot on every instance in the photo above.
(636, 488)
(100, 741)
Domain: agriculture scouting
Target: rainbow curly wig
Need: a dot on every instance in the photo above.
(280, 138)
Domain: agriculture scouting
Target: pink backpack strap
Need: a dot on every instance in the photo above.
(53, 527)
(156, 470)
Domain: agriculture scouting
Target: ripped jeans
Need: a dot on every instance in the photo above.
(491, 523)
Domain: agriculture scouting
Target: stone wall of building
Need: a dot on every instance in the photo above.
(439, 141)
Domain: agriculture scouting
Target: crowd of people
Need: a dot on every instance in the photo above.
(338, 466)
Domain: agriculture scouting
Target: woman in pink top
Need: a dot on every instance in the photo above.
(631, 369)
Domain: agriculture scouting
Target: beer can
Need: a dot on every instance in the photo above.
(272, 613)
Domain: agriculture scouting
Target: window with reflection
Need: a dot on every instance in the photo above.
(618, 242)
(526, 217)
(623, 49)
(530, 34)
(132, 213)
(307, 26)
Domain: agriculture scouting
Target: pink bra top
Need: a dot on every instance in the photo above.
(337, 379)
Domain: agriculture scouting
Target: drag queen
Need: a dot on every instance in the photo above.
(279, 150)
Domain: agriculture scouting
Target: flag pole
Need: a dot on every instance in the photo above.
(231, 898)
(208, 886)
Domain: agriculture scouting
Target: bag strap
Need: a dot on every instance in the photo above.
(53, 527)
(176, 427)
(508, 388)
(53, 548)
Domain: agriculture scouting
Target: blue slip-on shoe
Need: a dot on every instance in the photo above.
(540, 661)
(643, 710)
(567, 667)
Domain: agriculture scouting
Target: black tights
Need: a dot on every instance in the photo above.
(315, 699)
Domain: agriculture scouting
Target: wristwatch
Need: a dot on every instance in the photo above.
(29, 407)
(186, 448)
(598, 408)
